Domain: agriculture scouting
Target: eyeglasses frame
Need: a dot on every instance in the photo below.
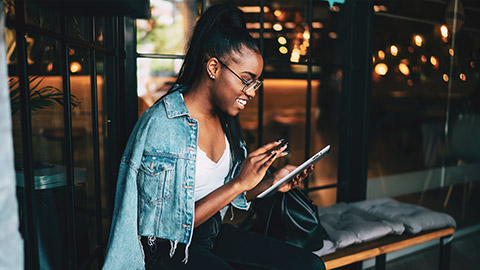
(246, 83)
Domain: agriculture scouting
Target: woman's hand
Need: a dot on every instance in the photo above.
(295, 182)
(257, 162)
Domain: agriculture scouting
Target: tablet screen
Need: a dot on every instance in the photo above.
(319, 155)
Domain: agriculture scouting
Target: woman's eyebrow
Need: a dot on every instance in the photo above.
(251, 74)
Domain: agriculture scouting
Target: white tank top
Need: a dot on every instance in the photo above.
(210, 175)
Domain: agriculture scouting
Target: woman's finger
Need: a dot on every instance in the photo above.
(267, 159)
(265, 148)
(281, 151)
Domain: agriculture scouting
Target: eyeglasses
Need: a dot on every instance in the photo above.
(251, 85)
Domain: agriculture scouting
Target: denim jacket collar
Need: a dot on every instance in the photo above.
(174, 103)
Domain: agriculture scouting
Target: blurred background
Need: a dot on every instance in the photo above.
(392, 86)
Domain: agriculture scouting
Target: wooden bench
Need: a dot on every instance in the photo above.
(380, 247)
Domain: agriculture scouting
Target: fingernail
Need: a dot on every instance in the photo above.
(286, 144)
(286, 152)
(280, 140)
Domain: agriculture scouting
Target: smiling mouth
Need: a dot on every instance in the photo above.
(242, 102)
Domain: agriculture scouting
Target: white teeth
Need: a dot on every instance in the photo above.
(242, 102)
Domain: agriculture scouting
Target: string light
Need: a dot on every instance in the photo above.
(381, 55)
(277, 27)
(381, 69)
(283, 50)
(451, 52)
(295, 57)
(317, 25)
(404, 69)
(306, 35)
(445, 77)
(444, 31)
(418, 40)
(335, 8)
(282, 40)
(333, 35)
(394, 50)
(75, 67)
(463, 77)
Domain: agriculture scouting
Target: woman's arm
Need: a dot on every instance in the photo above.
(251, 173)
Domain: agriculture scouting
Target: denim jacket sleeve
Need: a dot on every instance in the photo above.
(124, 250)
(240, 201)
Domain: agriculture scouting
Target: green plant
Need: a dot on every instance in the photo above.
(40, 98)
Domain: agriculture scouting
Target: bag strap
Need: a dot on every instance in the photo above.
(256, 203)
(247, 219)
(270, 171)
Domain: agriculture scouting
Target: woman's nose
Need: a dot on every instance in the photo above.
(250, 94)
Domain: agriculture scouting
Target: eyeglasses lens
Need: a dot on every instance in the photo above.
(253, 86)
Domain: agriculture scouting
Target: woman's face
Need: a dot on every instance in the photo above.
(227, 92)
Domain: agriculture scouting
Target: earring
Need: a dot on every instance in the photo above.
(211, 76)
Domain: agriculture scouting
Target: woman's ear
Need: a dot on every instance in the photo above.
(212, 67)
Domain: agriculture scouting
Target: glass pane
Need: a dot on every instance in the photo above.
(105, 34)
(327, 34)
(44, 17)
(425, 107)
(100, 27)
(155, 77)
(327, 132)
(79, 27)
(46, 101)
(288, 37)
(286, 33)
(167, 31)
(82, 140)
(285, 115)
(102, 135)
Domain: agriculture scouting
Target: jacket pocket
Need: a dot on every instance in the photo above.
(155, 174)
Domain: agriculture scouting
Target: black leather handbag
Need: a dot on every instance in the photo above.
(291, 217)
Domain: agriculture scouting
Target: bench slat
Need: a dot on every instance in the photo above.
(387, 244)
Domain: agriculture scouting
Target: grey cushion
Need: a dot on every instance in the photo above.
(415, 218)
(328, 247)
(346, 225)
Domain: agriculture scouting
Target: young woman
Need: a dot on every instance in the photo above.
(185, 163)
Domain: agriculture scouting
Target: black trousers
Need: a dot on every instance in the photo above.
(217, 246)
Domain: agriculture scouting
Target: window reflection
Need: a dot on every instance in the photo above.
(155, 78)
(168, 28)
(424, 107)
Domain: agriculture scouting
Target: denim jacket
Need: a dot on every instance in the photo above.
(156, 182)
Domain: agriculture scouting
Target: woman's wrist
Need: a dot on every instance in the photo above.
(263, 185)
(238, 186)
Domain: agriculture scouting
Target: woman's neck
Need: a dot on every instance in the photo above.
(199, 105)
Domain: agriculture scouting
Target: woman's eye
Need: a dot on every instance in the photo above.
(249, 81)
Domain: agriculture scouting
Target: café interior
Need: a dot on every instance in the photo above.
(392, 86)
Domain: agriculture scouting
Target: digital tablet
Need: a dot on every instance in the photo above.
(319, 155)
